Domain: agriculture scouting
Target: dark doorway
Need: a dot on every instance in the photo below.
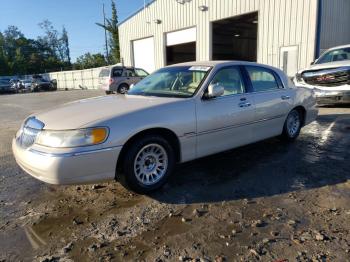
(181, 53)
(235, 38)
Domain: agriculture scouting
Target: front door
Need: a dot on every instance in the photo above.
(224, 122)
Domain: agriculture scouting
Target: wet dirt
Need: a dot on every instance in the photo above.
(268, 201)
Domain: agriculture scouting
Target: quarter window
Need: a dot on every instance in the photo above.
(262, 79)
(231, 79)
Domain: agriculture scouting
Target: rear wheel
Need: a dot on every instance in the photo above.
(147, 164)
(123, 88)
(292, 125)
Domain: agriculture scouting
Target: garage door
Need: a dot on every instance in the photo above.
(144, 54)
(181, 46)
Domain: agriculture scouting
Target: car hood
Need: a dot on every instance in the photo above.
(84, 112)
(330, 65)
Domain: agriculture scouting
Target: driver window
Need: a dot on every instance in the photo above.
(231, 80)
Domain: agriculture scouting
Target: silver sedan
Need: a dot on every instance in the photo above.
(177, 114)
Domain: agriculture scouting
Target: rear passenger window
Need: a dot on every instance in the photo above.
(117, 72)
(231, 79)
(262, 79)
(129, 73)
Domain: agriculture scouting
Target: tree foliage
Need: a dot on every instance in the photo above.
(112, 28)
(90, 61)
(20, 55)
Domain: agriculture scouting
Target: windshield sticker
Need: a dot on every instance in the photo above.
(199, 68)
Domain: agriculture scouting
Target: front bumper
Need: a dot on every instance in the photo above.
(329, 95)
(68, 168)
(332, 97)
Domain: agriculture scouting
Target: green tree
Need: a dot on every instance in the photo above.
(89, 60)
(65, 46)
(3, 61)
(50, 38)
(111, 26)
(20, 55)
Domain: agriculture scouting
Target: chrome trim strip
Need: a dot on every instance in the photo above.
(235, 126)
(80, 153)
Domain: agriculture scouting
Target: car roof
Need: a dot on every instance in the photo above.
(218, 63)
(338, 47)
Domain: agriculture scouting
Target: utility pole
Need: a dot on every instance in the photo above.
(104, 23)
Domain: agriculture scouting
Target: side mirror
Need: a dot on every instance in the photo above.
(215, 90)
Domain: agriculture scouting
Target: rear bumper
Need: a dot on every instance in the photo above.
(78, 168)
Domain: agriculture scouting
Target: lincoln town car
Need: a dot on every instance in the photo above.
(177, 114)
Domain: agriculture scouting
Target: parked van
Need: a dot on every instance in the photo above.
(118, 79)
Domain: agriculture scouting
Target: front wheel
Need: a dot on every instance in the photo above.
(147, 164)
(292, 125)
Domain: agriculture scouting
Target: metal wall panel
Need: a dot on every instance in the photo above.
(281, 23)
(335, 23)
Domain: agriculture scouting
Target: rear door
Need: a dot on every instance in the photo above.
(129, 76)
(273, 101)
(225, 122)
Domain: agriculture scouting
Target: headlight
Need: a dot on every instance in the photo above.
(298, 78)
(72, 138)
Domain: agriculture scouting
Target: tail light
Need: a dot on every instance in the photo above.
(110, 81)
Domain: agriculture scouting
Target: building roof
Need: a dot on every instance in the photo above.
(135, 13)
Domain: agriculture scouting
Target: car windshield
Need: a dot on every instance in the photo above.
(179, 81)
(340, 54)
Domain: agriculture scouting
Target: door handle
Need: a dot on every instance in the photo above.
(244, 104)
(285, 97)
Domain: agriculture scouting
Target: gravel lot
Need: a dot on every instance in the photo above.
(264, 202)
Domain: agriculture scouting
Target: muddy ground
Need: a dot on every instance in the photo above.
(264, 202)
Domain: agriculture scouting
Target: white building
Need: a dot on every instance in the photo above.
(288, 34)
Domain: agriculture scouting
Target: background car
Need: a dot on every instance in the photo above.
(118, 79)
(26, 85)
(41, 84)
(329, 76)
(177, 114)
(5, 86)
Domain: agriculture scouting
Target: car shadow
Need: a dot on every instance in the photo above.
(318, 158)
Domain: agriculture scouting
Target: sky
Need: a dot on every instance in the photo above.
(78, 16)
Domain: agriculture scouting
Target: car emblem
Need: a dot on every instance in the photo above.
(325, 78)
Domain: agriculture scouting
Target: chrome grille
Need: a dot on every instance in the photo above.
(330, 78)
(30, 131)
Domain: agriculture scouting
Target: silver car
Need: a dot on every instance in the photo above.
(329, 76)
(118, 79)
(177, 114)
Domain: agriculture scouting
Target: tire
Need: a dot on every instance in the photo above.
(145, 156)
(292, 125)
(123, 88)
